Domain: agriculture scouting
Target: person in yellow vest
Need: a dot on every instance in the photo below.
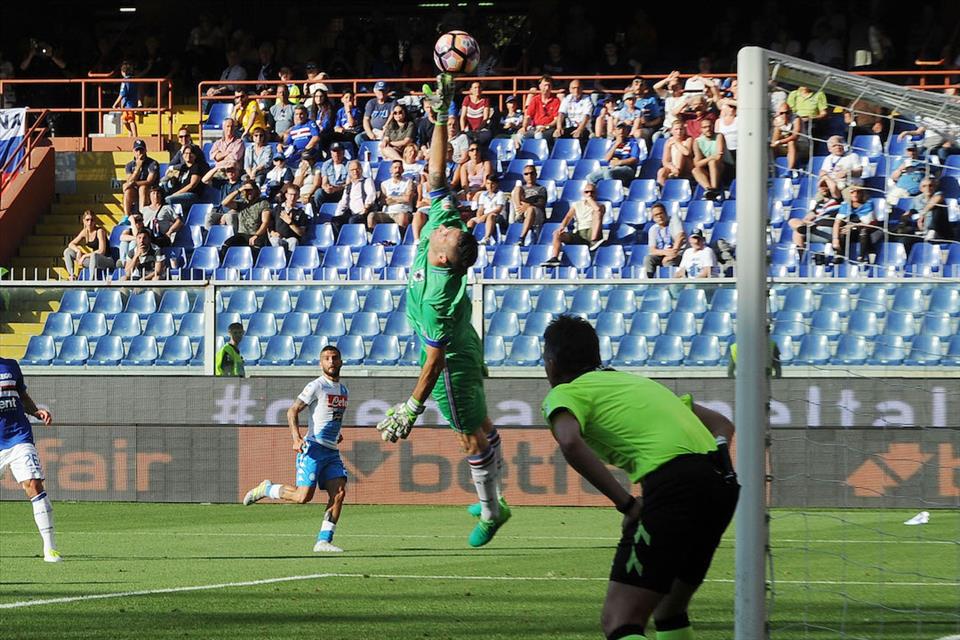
(773, 367)
(228, 361)
(248, 115)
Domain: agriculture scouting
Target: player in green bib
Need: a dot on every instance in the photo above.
(451, 357)
(676, 450)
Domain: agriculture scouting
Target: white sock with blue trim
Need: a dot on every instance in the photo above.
(275, 491)
(43, 515)
(327, 528)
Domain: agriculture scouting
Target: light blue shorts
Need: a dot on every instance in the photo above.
(318, 465)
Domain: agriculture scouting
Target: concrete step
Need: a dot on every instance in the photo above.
(70, 208)
(14, 352)
(19, 332)
(88, 198)
(30, 317)
(73, 219)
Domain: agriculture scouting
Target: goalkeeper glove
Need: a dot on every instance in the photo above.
(400, 420)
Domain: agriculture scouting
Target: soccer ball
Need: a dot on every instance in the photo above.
(456, 52)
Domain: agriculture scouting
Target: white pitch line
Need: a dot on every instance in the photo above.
(319, 576)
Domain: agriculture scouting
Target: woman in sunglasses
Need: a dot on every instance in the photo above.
(397, 133)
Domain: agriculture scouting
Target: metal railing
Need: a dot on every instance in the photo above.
(21, 155)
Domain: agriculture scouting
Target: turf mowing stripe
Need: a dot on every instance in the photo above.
(318, 576)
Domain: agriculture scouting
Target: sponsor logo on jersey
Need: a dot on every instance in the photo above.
(8, 404)
(418, 275)
(336, 401)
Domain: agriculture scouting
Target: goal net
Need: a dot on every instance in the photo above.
(859, 452)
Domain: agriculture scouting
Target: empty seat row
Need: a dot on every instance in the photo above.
(111, 351)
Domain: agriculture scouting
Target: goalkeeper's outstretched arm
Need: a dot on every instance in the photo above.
(429, 373)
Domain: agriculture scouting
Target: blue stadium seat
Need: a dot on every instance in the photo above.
(872, 298)
(351, 349)
(251, 350)
(224, 320)
(573, 190)
(621, 300)
(203, 262)
(780, 190)
(384, 351)
(536, 323)
(945, 299)
(197, 215)
(645, 323)
(551, 301)
(75, 302)
(143, 352)
(505, 324)
(41, 350)
(891, 254)
(586, 300)
(369, 151)
(606, 350)
(657, 300)
(584, 168)
(58, 326)
(379, 301)
(516, 300)
(700, 214)
(554, 169)
(217, 235)
(494, 350)
(814, 350)
(108, 352)
(677, 190)
(566, 149)
(502, 149)
(191, 326)
(533, 149)
(597, 148)
(867, 145)
(789, 323)
(365, 324)
(925, 351)
(74, 352)
(683, 324)
(704, 352)
(799, 299)
(900, 323)
(280, 352)
(189, 237)
(386, 233)
(159, 325)
(372, 257)
(863, 323)
(330, 324)
(352, 235)
(524, 352)
(785, 345)
(345, 301)
(667, 351)
(177, 351)
(274, 258)
(403, 256)
(611, 324)
(507, 256)
(908, 299)
(719, 324)
(304, 257)
(262, 325)
(239, 258)
(576, 256)
(92, 325)
(632, 351)
(219, 111)
(243, 302)
(888, 350)
(339, 259)
(643, 190)
(610, 191)
(633, 213)
(109, 302)
(838, 301)
(309, 354)
(827, 323)
(319, 235)
(398, 325)
(311, 302)
(174, 301)
(692, 300)
(296, 325)
(411, 353)
(924, 259)
(952, 357)
(277, 302)
(724, 299)
(851, 351)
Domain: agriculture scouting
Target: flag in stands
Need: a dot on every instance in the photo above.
(13, 124)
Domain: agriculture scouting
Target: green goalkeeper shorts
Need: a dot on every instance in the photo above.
(459, 390)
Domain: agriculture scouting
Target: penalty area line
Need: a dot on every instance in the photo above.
(320, 576)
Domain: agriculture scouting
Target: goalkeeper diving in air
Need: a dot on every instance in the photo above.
(439, 308)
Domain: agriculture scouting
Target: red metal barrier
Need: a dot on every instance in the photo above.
(31, 137)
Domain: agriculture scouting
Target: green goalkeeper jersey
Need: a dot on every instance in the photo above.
(438, 303)
(631, 422)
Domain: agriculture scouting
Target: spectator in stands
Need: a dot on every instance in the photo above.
(230, 181)
(474, 171)
(622, 158)
(183, 139)
(268, 69)
(323, 115)
(818, 222)
(840, 170)
(611, 64)
(856, 220)
(907, 177)
(160, 219)
(281, 113)
(670, 90)
(375, 114)
(228, 150)
(234, 71)
(307, 177)
(651, 115)
(247, 115)
(628, 113)
(529, 202)
(709, 160)
(289, 222)
(677, 160)
(555, 65)
(128, 238)
(726, 124)
(606, 125)
(89, 249)
(540, 116)
(228, 361)
(475, 114)
(665, 239)
(349, 121)
(358, 200)
(279, 175)
(304, 134)
(940, 138)
(127, 99)
(142, 173)
(927, 219)
(333, 176)
(293, 89)
(257, 157)
(417, 65)
(788, 137)
(811, 107)
(411, 168)
(587, 218)
(397, 196)
(145, 260)
(423, 204)
(184, 188)
(314, 77)
(398, 132)
(701, 82)
(575, 113)
(694, 113)
(512, 118)
(253, 218)
(699, 260)
(490, 206)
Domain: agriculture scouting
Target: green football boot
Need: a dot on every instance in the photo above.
(484, 531)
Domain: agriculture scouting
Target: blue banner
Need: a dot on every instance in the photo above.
(13, 125)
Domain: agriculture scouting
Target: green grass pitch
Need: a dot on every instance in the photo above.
(225, 571)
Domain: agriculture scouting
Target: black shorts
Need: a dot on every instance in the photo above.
(687, 506)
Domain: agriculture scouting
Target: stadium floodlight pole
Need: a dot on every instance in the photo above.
(752, 343)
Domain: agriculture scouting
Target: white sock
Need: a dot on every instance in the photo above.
(275, 491)
(494, 439)
(43, 515)
(483, 469)
(327, 528)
